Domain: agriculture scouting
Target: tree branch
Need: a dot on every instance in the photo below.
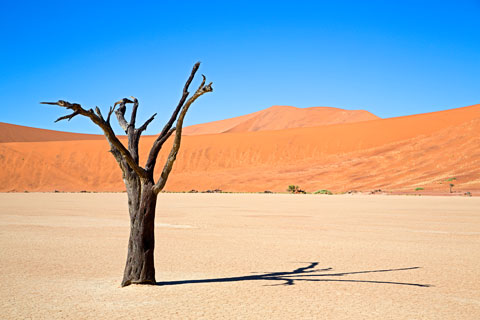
(107, 130)
(120, 113)
(128, 159)
(99, 113)
(152, 157)
(134, 112)
(182, 100)
(110, 114)
(145, 125)
(178, 135)
(129, 128)
(69, 117)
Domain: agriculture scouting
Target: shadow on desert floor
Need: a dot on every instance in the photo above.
(308, 273)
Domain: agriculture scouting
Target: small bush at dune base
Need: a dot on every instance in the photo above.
(323, 191)
(294, 189)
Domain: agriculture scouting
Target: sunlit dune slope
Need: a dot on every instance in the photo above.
(273, 118)
(14, 133)
(391, 154)
(281, 117)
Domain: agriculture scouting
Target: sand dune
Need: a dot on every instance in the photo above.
(15, 133)
(281, 117)
(396, 154)
(273, 118)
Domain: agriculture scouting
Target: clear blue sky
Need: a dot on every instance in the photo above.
(389, 57)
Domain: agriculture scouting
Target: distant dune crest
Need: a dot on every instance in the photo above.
(395, 154)
(281, 117)
(15, 133)
(273, 118)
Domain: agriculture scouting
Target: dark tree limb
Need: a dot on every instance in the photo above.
(134, 112)
(182, 100)
(107, 130)
(202, 89)
(124, 101)
(120, 113)
(98, 112)
(112, 109)
(157, 144)
(144, 126)
(129, 127)
(68, 116)
(140, 185)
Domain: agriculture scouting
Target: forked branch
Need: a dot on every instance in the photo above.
(67, 117)
(112, 109)
(130, 156)
(107, 130)
(162, 137)
(120, 113)
(182, 100)
(202, 89)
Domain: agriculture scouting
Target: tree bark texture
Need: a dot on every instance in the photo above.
(142, 190)
(140, 266)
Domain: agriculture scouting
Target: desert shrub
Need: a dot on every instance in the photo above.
(323, 191)
(294, 189)
(418, 189)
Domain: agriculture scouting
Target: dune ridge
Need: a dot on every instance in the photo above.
(273, 118)
(281, 117)
(393, 154)
(15, 133)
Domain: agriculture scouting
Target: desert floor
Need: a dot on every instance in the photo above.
(243, 256)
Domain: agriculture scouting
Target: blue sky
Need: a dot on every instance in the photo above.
(391, 58)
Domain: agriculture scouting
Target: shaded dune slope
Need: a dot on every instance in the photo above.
(391, 154)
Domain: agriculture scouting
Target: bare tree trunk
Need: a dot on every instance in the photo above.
(141, 187)
(142, 201)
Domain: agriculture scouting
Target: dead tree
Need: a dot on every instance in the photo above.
(142, 190)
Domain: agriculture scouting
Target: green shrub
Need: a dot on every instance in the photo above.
(323, 191)
(294, 189)
(418, 189)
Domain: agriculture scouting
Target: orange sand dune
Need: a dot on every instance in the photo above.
(273, 118)
(14, 133)
(396, 154)
(281, 117)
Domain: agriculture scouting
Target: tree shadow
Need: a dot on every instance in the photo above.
(308, 273)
